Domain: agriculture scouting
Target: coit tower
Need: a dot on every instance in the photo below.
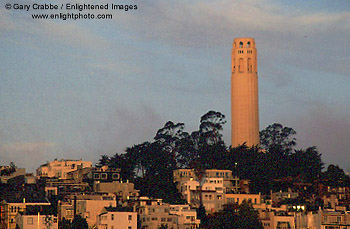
(244, 93)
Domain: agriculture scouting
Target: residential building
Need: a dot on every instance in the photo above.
(230, 183)
(117, 218)
(88, 206)
(335, 219)
(12, 172)
(104, 174)
(187, 217)
(237, 198)
(27, 221)
(123, 190)
(60, 168)
(10, 208)
(154, 216)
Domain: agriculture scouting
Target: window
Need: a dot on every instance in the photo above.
(104, 176)
(249, 65)
(112, 217)
(115, 176)
(130, 217)
(69, 212)
(248, 44)
(30, 220)
(240, 66)
(338, 219)
(233, 65)
(129, 227)
(241, 44)
(97, 176)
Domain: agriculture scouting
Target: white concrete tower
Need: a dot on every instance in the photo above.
(244, 93)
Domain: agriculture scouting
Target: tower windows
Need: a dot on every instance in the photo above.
(240, 66)
(240, 44)
(248, 44)
(249, 65)
(233, 65)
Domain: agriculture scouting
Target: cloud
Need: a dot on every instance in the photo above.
(28, 155)
(282, 32)
(6, 24)
(24, 147)
(328, 128)
(123, 127)
(68, 33)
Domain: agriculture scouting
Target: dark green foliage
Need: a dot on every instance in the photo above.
(104, 160)
(306, 164)
(150, 165)
(210, 126)
(334, 176)
(201, 215)
(233, 216)
(277, 138)
(64, 224)
(123, 161)
(79, 223)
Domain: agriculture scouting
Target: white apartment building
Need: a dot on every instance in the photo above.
(36, 221)
(117, 218)
(187, 217)
(60, 168)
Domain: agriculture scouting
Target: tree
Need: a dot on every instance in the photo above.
(64, 224)
(234, 216)
(201, 214)
(207, 143)
(211, 124)
(277, 138)
(248, 217)
(125, 164)
(252, 164)
(140, 156)
(171, 137)
(79, 223)
(306, 163)
(104, 160)
(334, 176)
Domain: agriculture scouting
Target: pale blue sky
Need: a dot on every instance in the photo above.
(79, 89)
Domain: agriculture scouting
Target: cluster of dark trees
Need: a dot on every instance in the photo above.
(77, 223)
(150, 165)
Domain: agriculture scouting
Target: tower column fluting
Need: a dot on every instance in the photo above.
(244, 93)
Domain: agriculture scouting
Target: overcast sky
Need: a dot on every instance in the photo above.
(79, 89)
